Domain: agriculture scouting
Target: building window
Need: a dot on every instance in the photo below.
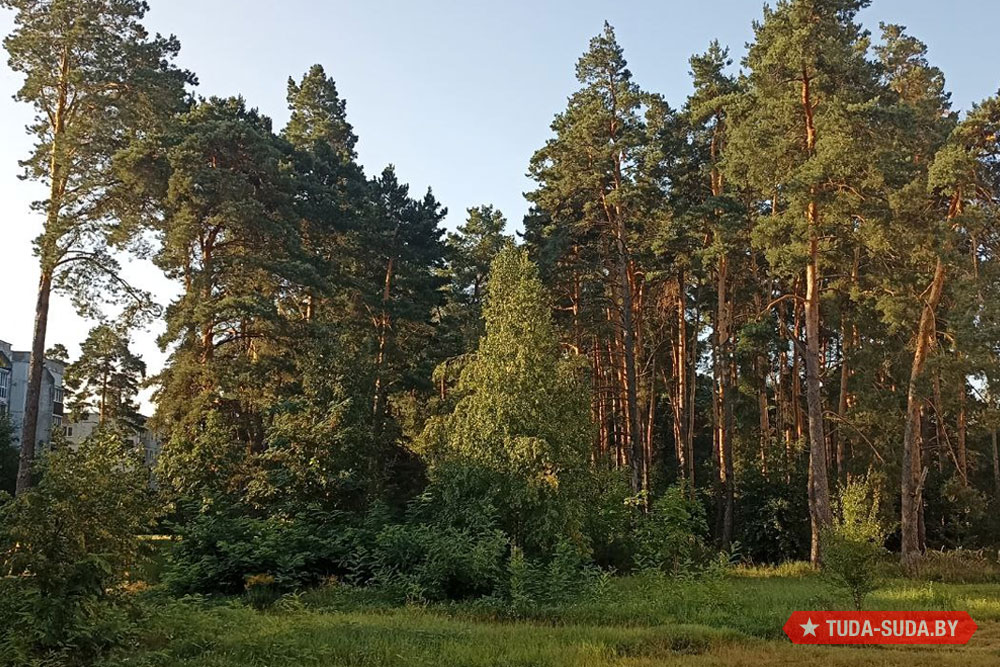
(4, 382)
(58, 395)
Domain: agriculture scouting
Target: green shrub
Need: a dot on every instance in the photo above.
(222, 544)
(611, 519)
(532, 583)
(425, 562)
(956, 513)
(853, 549)
(957, 566)
(67, 545)
(8, 455)
(670, 538)
(771, 520)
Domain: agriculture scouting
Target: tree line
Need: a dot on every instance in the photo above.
(783, 285)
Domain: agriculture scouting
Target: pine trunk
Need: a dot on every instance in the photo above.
(49, 262)
(724, 402)
(36, 365)
(912, 474)
(820, 513)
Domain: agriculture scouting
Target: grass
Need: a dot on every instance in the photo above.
(633, 621)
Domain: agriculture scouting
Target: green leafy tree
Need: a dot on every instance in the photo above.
(519, 438)
(67, 544)
(95, 80)
(854, 545)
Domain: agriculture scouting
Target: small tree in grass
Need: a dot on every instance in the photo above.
(853, 546)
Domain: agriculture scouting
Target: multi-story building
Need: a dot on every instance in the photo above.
(50, 409)
(6, 366)
(81, 428)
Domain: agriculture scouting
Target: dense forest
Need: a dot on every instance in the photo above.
(718, 324)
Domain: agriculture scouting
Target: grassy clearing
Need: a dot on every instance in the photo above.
(633, 621)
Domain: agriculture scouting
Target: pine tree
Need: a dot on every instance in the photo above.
(596, 191)
(701, 203)
(960, 191)
(106, 379)
(402, 285)
(95, 79)
(472, 248)
(797, 139)
(228, 234)
(333, 196)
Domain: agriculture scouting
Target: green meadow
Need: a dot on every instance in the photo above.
(733, 619)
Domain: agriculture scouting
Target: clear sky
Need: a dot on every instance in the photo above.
(456, 93)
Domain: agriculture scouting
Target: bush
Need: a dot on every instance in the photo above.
(530, 583)
(430, 556)
(611, 519)
(671, 536)
(957, 566)
(772, 511)
(428, 562)
(853, 548)
(67, 545)
(955, 514)
(222, 544)
(8, 456)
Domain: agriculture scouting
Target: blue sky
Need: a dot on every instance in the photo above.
(457, 94)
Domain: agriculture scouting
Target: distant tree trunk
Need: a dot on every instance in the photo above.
(382, 330)
(632, 399)
(845, 374)
(941, 439)
(681, 394)
(763, 411)
(912, 473)
(820, 512)
(797, 375)
(692, 384)
(724, 402)
(996, 460)
(650, 421)
(961, 452)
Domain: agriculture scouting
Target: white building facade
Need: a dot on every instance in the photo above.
(14, 394)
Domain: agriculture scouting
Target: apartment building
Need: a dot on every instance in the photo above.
(83, 427)
(14, 392)
(6, 369)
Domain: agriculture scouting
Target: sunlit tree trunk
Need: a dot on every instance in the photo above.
(820, 513)
(912, 471)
